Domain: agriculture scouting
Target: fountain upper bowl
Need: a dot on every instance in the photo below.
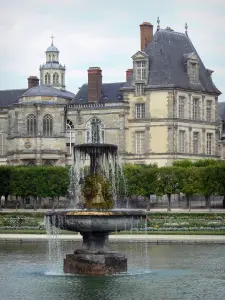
(95, 220)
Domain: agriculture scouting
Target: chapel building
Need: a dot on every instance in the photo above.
(165, 110)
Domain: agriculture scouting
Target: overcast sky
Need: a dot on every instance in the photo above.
(101, 33)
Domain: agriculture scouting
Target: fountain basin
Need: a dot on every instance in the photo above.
(95, 221)
(95, 225)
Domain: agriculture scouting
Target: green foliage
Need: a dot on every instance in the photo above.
(185, 163)
(5, 177)
(39, 181)
(96, 185)
(189, 181)
(141, 179)
(168, 181)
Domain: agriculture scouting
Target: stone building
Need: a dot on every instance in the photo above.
(166, 108)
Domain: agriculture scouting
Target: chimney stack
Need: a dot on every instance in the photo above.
(146, 29)
(94, 84)
(128, 73)
(32, 81)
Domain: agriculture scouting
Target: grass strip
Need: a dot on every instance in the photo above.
(211, 232)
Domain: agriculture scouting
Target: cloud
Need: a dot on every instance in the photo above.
(91, 33)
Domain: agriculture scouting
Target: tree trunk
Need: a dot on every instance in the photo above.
(207, 202)
(53, 203)
(6, 200)
(224, 201)
(169, 202)
(16, 202)
(39, 202)
(57, 206)
(189, 202)
(179, 198)
(149, 203)
(23, 202)
(35, 202)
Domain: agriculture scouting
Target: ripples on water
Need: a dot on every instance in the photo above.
(155, 273)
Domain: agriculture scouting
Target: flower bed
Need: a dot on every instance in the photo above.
(183, 222)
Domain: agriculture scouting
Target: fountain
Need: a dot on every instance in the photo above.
(94, 189)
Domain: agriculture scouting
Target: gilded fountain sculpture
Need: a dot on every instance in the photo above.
(94, 189)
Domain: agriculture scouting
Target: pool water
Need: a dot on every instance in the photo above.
(156, 272)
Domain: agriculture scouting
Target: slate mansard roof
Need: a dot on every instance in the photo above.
(52, 48)
(167, 54)
(44, 90)
(52, 65)
(221, 110)
(10, 97)
(110, 93)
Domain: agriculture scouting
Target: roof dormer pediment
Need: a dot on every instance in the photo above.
(191, 56)
(139, 55)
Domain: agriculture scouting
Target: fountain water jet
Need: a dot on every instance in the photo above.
(98, 219)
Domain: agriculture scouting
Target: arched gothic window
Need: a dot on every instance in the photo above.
(47, 125)
(55, 78)
(1, 143)
(69, 124)
(95, 131)
(31, 125)
(62, 79)
(53, 57)
(47, 78)
(70, 133)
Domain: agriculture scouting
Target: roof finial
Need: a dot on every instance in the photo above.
(186, 28)
(52, 37)
(158, 22)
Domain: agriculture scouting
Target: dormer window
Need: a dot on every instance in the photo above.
(192, 64)
(140, 67)
(139, 89)
(193, 72)
(140, 70)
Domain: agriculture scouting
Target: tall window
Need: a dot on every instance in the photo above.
(209, 110)
(53, 57)
(70, 134)
(195, 142)
(47, 78)
(140, 110)
(139, 89)
(196, 109)
(62, 79)
(209, 143)
(140, 70)
(95, 131)
(47, 125)
(139, 141)
(181, 107)
(193, 72)
(56, 78)
(31, 125)
(1, 143)
(182, 141)
(69, 124)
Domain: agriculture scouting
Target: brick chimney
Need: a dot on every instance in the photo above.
(146, 30)
(32, 81)
(128, 73)
(94, 84)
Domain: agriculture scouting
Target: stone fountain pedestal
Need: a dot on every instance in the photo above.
(94, 263)
(93, 258)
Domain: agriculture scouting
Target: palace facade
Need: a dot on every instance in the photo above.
(166, 109)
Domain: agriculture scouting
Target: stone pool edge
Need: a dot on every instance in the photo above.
(155, 239)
